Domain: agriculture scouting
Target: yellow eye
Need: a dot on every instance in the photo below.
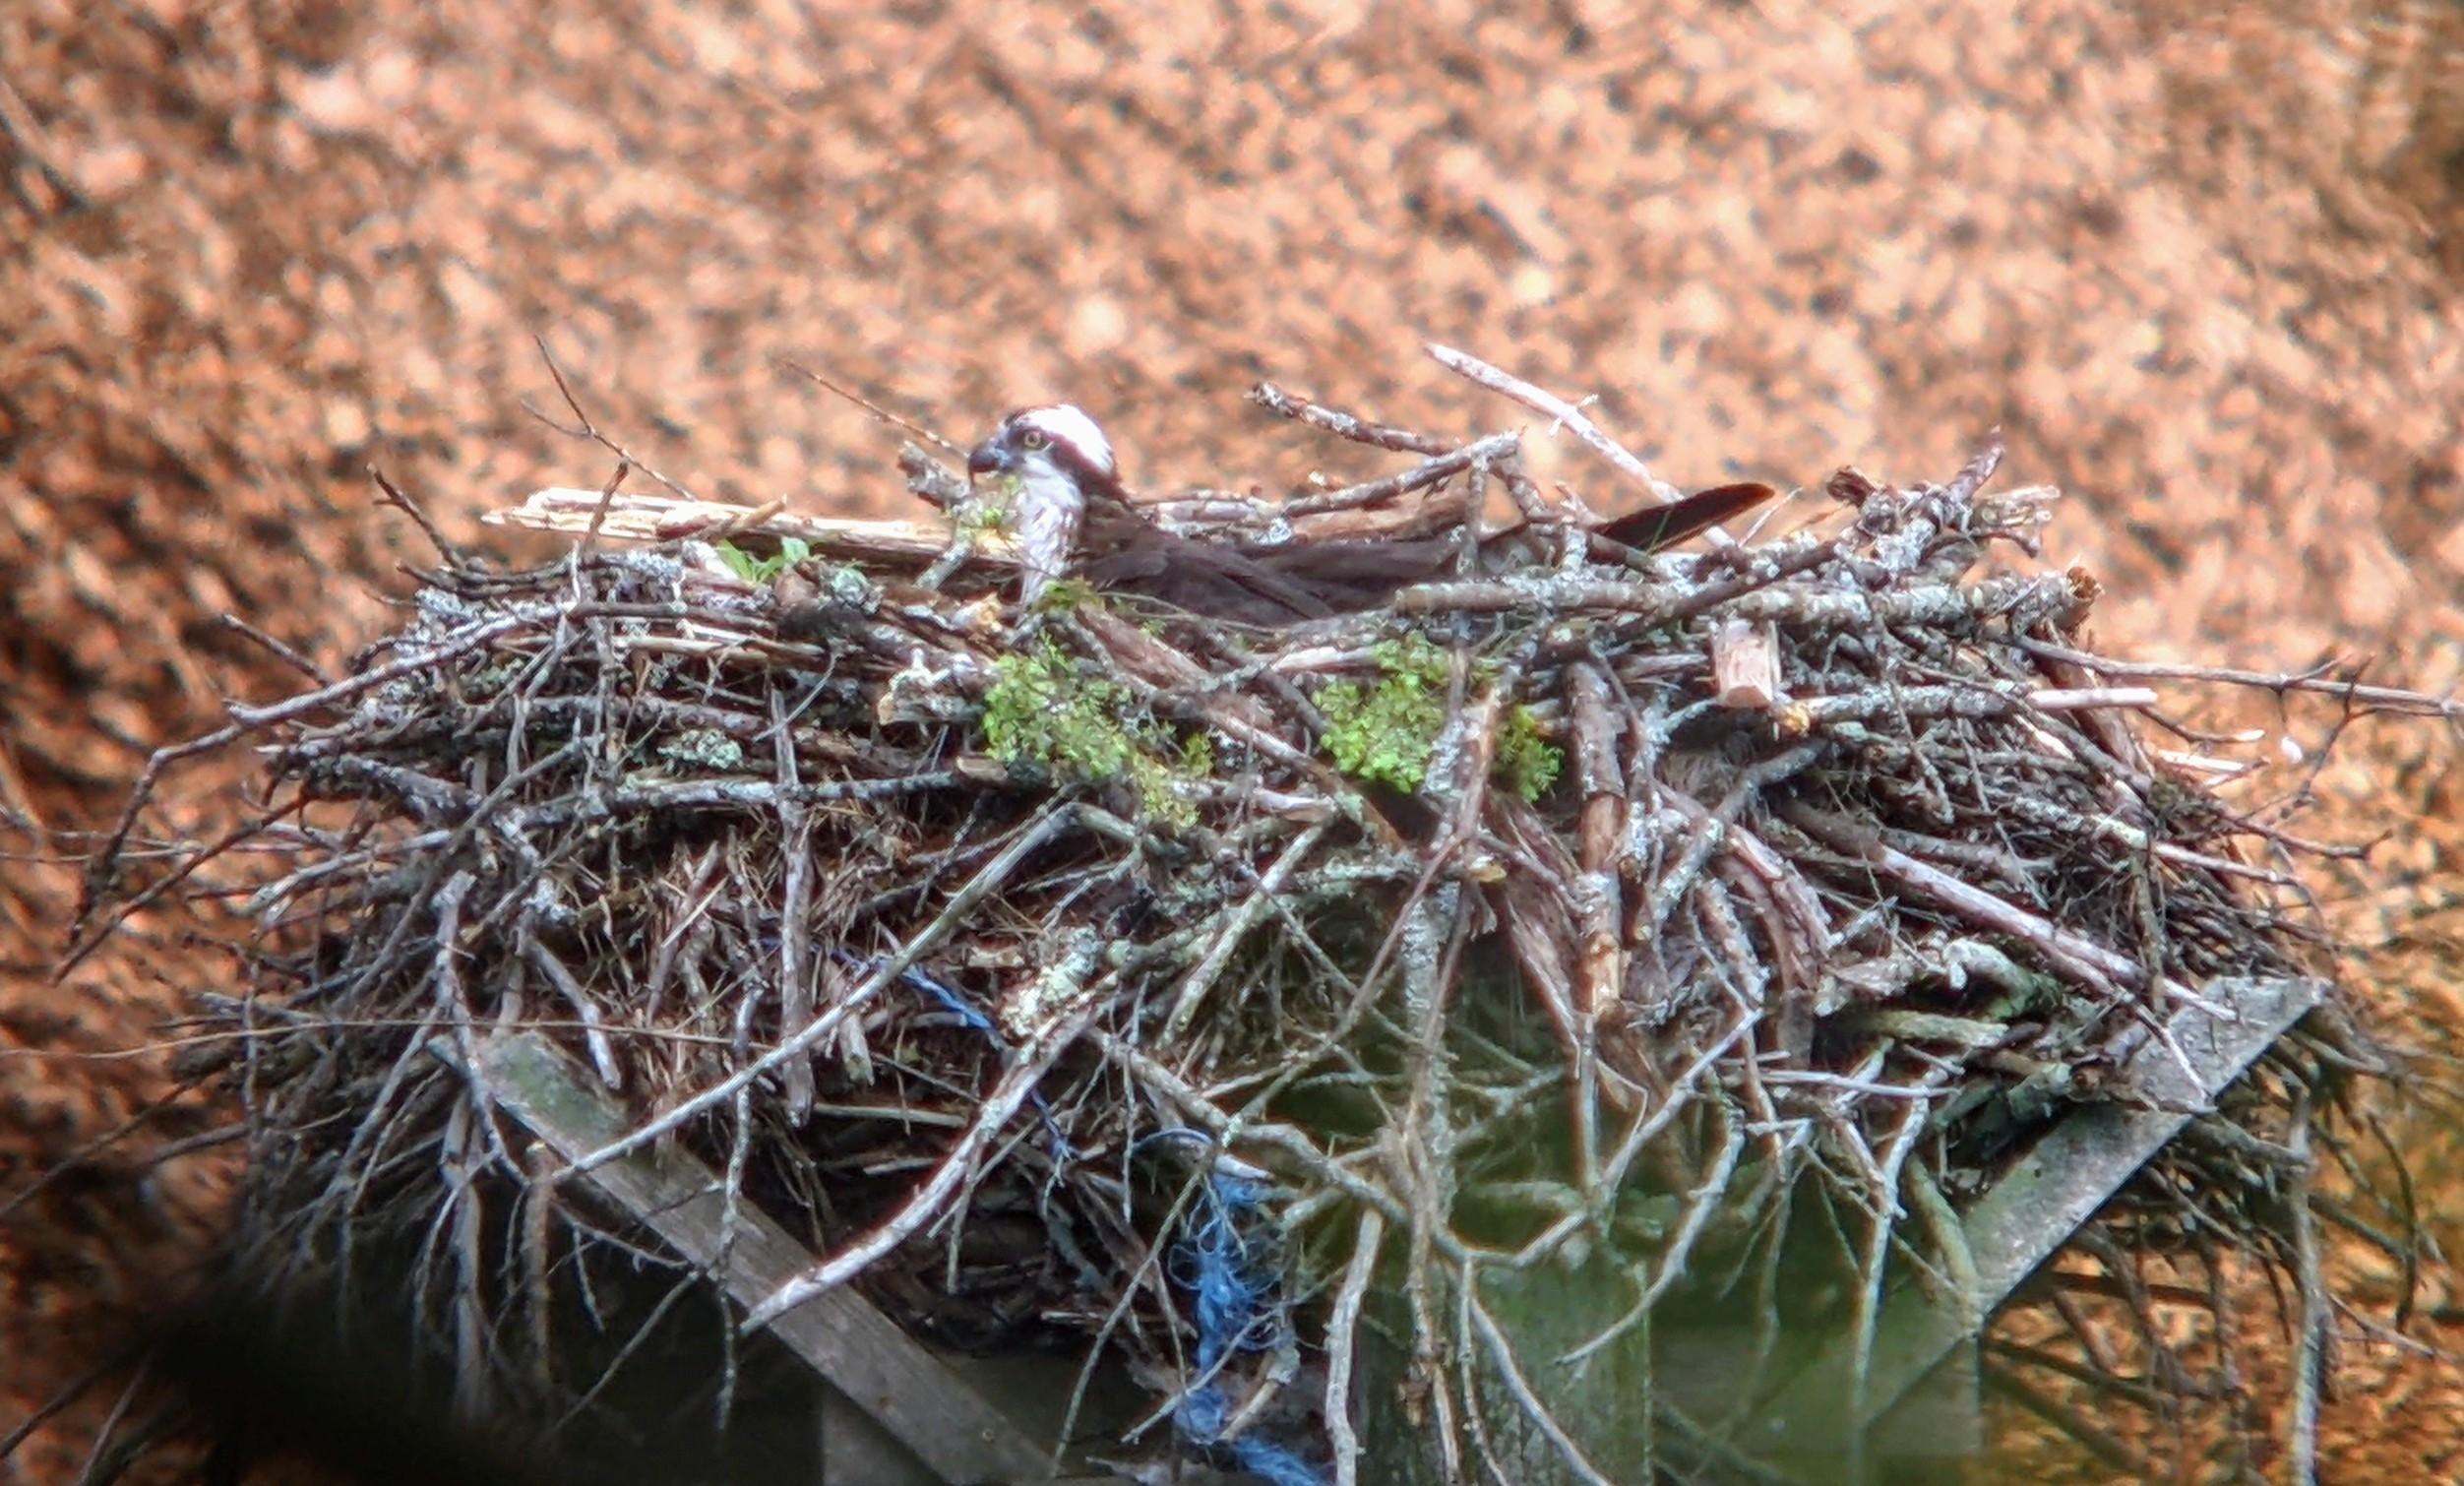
(1034, 440)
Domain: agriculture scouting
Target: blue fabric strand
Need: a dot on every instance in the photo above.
(1235, 1286)
(973, 1019)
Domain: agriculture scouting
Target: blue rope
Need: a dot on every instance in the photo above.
(973, 1019)
(951, 1001)
(1235, 1287)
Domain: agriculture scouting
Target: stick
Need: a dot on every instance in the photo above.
(871, 406)
(1343, 425)
(1464, 364)
(2380, 698)
(1342, 1327)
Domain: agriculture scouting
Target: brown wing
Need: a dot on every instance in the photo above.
(1216, 581)
(1657, 527)
(1261, 585)
(1348, 576)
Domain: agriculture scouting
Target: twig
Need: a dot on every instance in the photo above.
(276, 648)
(871, 406)
(1236, 927)
(586, 429)
(1464, 364)
(999, 1105)
(68, 1394)
(1343, 1329)
(795, 971)
(1704, 1202)
(1343, 425)
(2100, 1442)
(1487, 451)
(1869, 1302)
(449, 551)
(1537, 1413)
(2079, 958)
(2376, 698)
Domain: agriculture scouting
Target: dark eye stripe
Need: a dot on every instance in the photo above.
(1074, 459)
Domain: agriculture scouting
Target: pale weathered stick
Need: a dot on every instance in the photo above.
(656, 517)
(1342, 1328)
(1507, 383)
(2378, 698)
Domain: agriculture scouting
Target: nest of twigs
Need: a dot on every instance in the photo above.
(1163, 990)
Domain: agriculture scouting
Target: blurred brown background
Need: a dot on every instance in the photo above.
(2199, 262)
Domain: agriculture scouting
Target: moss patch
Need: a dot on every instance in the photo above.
(1046, 712)
(1526, 762)
(1386, 731)
(791, 551)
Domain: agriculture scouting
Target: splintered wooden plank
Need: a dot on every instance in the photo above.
(629, 517)
(915, 1396)
(2038, 1203)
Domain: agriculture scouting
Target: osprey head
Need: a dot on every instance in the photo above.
(1040, 444)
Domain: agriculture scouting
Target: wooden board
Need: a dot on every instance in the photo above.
(1920, 1411)
(630, 517)
(2037, 1205)
(918, 1400)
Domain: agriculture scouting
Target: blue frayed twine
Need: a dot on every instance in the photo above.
(1236, 1288)
(974, 1019)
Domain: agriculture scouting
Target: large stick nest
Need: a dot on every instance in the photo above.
(1099, 974)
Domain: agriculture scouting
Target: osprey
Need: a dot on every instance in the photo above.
(1064, 495)
(1057, 461)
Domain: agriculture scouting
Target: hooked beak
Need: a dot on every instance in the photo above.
(992, 456)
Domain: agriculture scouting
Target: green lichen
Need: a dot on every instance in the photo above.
(846, 585)
(1064, 595)
(1383, 733)
(1046, 714)
(1387, 731)
(704, 747)
(1043, 713)
(761, 570)
(988, 508)
(1526, 762)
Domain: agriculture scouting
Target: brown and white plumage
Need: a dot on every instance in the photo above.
(1062, 482)
(1054, 459)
